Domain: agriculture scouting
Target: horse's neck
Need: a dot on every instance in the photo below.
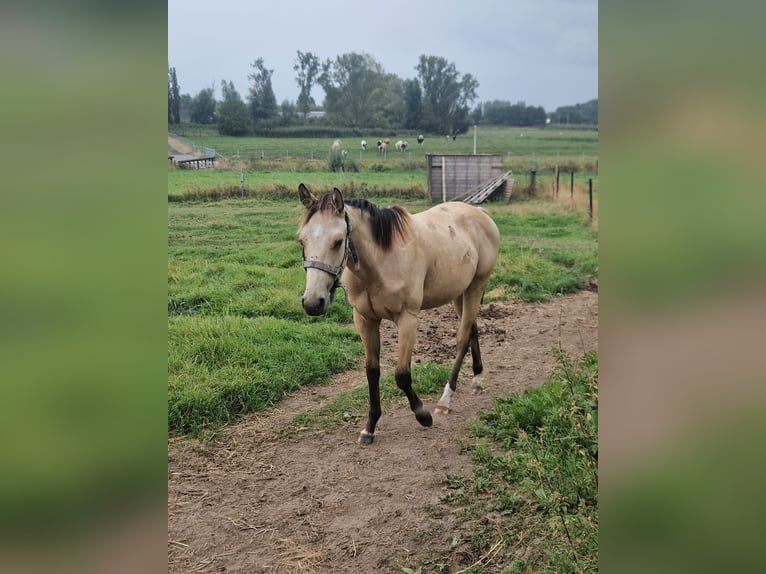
(365, 246)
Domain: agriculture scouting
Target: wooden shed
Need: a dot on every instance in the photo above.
(451, 176)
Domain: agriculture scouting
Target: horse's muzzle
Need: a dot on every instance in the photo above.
(314, 306)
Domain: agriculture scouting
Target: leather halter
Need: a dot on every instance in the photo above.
(333, 270)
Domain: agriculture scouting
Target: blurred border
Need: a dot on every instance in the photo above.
(683, 251)
(82, 289)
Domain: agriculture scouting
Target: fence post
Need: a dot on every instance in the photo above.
(444, 182)
(242, 182)
(557, 181)
(532, 173)
(590, 198)
(571, 184)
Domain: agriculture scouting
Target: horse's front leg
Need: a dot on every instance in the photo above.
(407, 324)
(369, 331)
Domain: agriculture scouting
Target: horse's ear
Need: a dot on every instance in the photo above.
(307, 198)
(337, 200)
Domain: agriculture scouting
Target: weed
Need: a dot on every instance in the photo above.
(536, 473)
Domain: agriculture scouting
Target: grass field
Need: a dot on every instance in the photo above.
(521, 149)
(234, 278)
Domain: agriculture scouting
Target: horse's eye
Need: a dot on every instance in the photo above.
(337, 244)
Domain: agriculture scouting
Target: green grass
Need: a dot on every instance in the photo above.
(235, 265)
(542, 254)
(531, 504)
(221, 367)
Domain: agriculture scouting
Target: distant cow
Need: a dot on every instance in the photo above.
(364, 145)
(402, 145)
(420, 139)
(336, 145)
(382, 145)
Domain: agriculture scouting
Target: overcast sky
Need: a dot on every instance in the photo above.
(542, 52)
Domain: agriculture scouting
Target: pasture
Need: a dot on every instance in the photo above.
(235, 265)
(239, 342)
(521, 149)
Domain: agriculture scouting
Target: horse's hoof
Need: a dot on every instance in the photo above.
(365, 438)
(424, 418)
(441, 410)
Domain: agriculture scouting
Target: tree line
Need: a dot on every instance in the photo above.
(360, 94)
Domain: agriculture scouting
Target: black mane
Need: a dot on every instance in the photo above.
(386, 223)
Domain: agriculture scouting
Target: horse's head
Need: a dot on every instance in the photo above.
(324, 236)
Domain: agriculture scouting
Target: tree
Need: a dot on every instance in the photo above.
(447, 95)
(358, 92)
(203, 107)
(263, 102)
(174, 98)
(233, 118)
(307, 68)
(185, 106)
(286, 112)
(413, 104)
(586, 113)
(498, 112)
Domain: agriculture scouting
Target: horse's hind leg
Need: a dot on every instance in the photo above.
(473, 343)
(467, 306)
(478, 367)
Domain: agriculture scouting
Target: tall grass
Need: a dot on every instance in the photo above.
(532, 502)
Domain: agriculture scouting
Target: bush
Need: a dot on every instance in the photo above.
(233, 118)
(336, 161)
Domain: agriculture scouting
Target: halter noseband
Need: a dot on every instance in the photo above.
(332, 269)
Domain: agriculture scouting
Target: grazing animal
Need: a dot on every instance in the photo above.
(364, 145)
(382, 145)
(344, 153)
(399, 264)
(402, 145)
(336, 145)
(421, 138)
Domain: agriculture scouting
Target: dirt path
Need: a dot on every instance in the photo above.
(257, 501)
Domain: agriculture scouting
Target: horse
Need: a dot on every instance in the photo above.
(402, 263)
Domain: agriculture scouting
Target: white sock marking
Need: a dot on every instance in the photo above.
(446, 396)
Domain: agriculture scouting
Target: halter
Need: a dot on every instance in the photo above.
(332, 269)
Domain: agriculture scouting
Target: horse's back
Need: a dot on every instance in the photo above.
(458, 222)
(458, 244)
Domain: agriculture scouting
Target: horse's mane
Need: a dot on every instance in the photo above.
(386, 223)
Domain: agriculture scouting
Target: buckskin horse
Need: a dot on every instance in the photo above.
(401, 263)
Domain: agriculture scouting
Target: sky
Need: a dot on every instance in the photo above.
(541, 52)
